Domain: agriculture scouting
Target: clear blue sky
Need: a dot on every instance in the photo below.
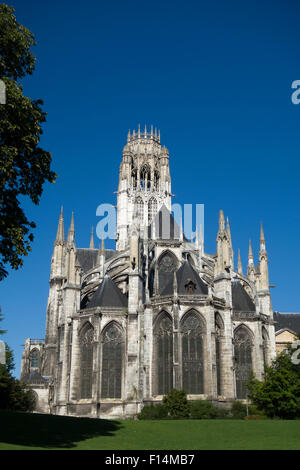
(215, 77)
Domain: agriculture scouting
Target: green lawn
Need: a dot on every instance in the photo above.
(33, 431)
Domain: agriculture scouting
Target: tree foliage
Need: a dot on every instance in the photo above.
(279, 394)
(177, 404)
(14, 395)
(24, 166)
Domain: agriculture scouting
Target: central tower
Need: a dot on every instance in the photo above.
(144, 183)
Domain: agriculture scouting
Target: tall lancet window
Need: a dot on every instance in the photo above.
(166, 267)
(156, 180)
(86, 339)
(112, 361)
(163, 354)
(152, 209)
(192, 332)
(219, 331)
(145, 177)
(140, 209)
(265, 346)
(34, 359)
(134, 178)
(243, 359)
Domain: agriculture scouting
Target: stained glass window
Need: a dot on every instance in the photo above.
(218, 329)
(163, 344)
(192, 354)
(112, 360)
(34, 359)
(243, 360)
(166, 267)
(86, 361)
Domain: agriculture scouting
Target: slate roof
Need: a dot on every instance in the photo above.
(34, 377)
(184, 273)
(241, 300)
(165, 226)
(108, 295)
(287, 320)
(87, 257)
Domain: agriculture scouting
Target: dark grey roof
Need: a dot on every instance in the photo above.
(108, 295)
(241, 300)
(34, 377)
(87, 257)
(287, 320)
(164, 225)
(185, 273)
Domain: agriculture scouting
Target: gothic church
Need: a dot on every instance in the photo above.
(125, 326)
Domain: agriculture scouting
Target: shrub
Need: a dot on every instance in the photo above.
(158, 411)
(204, 409)
(279, 394)
(177, 404)
(238, 410)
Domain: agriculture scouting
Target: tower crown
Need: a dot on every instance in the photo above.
(138, 135)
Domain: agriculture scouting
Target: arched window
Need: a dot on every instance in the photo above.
(265, 346)
(156, 180)
(112, 361)
(166, 266)
(86, 361)
(145, 177)
(163, 354)
(218, 329)
(34, 359)
(192, 330)
(243, 359)
(134, 178)
(152, 209)
(140, 209)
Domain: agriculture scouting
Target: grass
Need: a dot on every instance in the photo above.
(34, 431)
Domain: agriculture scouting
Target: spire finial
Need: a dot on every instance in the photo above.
(240, 266)
(128, 136)
(60, 234)
(250, 254)
(262, 238)
(221, 221)
(102, 245)
(175, 285)
(92, 245)
(71, 232)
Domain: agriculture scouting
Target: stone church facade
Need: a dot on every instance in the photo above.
(125, 326)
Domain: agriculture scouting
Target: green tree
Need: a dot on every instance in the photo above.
(279, 394)
(24, 166)
(14, 395)
(177, 404)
